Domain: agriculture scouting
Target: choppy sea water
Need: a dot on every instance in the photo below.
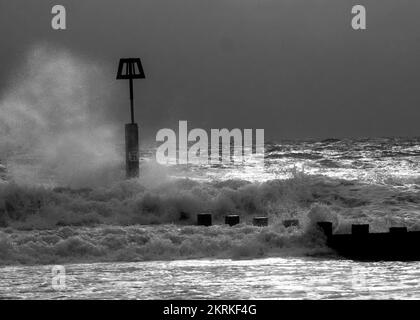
(383, 183)
(393, 161)
(273, 278)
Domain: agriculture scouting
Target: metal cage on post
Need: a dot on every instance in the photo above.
(129, 69)
(133, 69)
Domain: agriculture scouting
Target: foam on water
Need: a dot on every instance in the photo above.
(131, 220)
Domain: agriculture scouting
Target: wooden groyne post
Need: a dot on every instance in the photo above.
(232, 219)
(204, 219)
(260, 221)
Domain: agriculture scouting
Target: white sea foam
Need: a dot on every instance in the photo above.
(130, 220)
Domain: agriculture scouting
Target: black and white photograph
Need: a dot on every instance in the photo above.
(210, 150)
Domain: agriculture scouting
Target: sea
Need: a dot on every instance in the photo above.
(137, 239)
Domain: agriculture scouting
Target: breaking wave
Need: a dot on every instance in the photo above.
(139, 220)
(164, 242)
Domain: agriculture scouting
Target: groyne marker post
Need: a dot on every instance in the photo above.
(129, 69)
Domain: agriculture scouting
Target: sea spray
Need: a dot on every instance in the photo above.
(53, 121)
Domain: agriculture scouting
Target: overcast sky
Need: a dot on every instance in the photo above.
(292, 67)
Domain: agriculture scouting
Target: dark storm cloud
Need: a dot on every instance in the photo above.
(294, 68)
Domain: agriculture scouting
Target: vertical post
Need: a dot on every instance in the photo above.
(131, 100)
(204, 219)
(132, 136)
(232, 219)
(326, 227)
(132, 150)
(260, 221)
(131, 129)
(359, 229)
